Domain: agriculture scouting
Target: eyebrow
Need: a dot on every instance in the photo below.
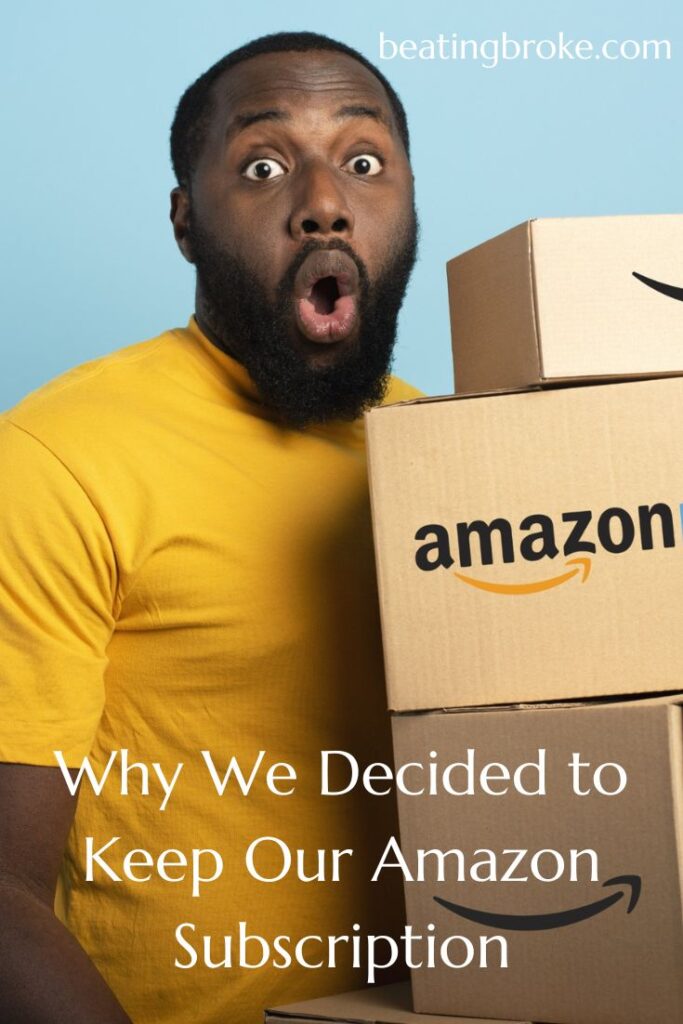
(360, 110)
(242, 121)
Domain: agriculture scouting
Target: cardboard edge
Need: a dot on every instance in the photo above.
(494, 238)
(379, 561)
(274, 1016)
(556, 383)
(676, 760)
(565, 383)
(431, 399)
(673, 698)
(302, 1018)
(533, 287)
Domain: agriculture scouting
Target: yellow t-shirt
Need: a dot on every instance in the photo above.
(179, 573)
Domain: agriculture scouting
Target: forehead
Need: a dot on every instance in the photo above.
(293, 81)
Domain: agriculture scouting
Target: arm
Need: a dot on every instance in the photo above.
(58, 584)
(45, 976)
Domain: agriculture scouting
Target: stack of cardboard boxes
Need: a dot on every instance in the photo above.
(530, 556)
(529, 542)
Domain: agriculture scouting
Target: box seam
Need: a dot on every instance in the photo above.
(676, 761)
(534, 300)
(379, 563)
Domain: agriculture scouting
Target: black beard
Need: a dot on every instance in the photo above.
(257, 331)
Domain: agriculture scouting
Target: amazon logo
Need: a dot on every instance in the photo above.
(659, 286)
(629, 884)
(574, 537)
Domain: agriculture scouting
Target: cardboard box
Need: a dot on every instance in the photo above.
(569, 299)
(529, 545)
(604, 948)
(386, 1004)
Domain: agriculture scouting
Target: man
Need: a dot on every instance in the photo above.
(186, 566)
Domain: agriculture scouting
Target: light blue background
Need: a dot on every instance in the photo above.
(89, 89)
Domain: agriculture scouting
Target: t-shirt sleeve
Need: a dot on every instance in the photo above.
(400, 391)
(57, 599)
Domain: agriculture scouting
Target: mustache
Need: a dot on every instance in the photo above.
(286, 284)
(250, 315)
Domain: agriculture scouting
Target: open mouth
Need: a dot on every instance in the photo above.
(326, 296)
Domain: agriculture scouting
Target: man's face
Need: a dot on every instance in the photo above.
(301, 224)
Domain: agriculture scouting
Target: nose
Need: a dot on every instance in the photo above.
(320, 207)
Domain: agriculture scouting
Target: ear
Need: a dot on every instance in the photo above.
(180, 218)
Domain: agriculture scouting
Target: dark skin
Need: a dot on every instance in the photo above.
(45, 976)
(309, 117)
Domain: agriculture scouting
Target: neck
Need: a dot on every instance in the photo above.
(203, 317)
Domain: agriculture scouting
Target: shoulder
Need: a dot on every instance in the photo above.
(93, 418)
(400, 391)
(90, 385)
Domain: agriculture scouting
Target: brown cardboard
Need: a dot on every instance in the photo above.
(385, 1004)
(457, 460)
(556, 300)
(612, 968)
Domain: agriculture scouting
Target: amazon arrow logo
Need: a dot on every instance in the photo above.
(542, 922)
(531, 588)
(659, 286)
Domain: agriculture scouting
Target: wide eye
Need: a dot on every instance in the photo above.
(365, 165)
(263, 169)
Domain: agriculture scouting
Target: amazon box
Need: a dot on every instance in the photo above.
(570, 299)
(530, 545)
(387, 1004)
(545, 856)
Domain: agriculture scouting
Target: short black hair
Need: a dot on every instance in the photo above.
(193, 112)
